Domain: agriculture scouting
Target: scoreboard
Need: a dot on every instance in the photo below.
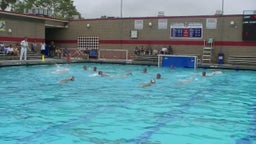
(249, 27)
(186, 31)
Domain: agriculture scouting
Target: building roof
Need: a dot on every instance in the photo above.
(32, 16)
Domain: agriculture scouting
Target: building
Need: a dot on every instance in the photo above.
(185, 34)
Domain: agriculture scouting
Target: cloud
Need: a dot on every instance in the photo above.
(144, 8)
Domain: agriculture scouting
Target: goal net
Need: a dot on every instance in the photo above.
(182, 61)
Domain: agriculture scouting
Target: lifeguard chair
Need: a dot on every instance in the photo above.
(207, 50)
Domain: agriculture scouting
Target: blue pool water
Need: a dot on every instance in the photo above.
(36, 108)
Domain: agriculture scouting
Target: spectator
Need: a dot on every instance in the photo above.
(2, 50)
(58, 52)
(170, 51)
(142, 50)
(149, 50)
(16, 49)
(52, 49)
(65, 52)
(136, 51)
(164, 50)
(34, 47)
(155, 52)
(47, 50)
(9, 50)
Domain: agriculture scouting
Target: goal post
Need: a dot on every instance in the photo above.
(113, 54)
(182, 61)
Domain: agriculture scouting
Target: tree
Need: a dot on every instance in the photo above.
(60, 8)
(4, 4)
(66, 9)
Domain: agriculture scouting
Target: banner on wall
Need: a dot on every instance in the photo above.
(162, 23)
(2, 25)
(192, 30)
(211, 23)
(138, 24)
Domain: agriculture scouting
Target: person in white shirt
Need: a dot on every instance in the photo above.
(164, 50)
(9, 50)
(43, 48)
(24, 47)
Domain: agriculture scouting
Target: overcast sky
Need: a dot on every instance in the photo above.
(146, 8)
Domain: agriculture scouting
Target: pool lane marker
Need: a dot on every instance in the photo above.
(169, 117)
(252, 134)
(51, 129)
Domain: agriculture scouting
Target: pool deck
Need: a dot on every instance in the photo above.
(47, 61)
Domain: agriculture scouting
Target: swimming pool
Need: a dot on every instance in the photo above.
(36, 108)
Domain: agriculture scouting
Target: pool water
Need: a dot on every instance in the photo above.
(36, 108)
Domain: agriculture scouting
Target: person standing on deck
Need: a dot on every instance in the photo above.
(43, 48)
(24, 47)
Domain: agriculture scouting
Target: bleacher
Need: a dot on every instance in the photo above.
(146, 59)
(30, 56)
(242, 60)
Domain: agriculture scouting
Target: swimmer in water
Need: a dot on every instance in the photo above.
(63, 71)
(127, 74)
(95, 69)
(150, 83)
(72, 78)
(158, 76)
(124, 75)
(100, 73)
(60, 70)
(211, 74)
(144, 70)
(189, 80)
(85, 68)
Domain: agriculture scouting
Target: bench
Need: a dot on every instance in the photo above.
(242, 60)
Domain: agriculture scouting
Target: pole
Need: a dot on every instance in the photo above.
(121, 25)
(222, 23)
(121, 9)
(222, 7)
(222, 29)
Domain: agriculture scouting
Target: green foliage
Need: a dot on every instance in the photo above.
(4, 4)
(60, 8)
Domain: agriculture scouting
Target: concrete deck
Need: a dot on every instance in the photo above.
(47, 61)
